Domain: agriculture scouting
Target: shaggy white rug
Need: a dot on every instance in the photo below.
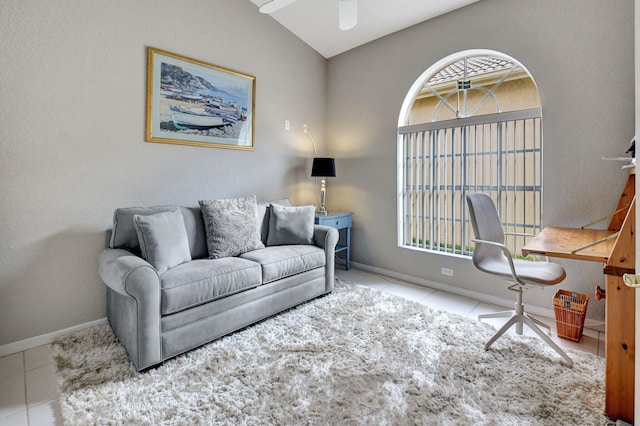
(357, 356)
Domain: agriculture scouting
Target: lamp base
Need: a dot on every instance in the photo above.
(322, 211)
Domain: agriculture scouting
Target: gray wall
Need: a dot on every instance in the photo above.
(72, 149)
(581, 55)
(72, 90)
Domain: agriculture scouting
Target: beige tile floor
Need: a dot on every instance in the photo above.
(29, 389)
(464, 306)
(28, 384)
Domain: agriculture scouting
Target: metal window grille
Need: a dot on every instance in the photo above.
(497, 154)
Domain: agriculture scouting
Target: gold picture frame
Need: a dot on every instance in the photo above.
(190, 102)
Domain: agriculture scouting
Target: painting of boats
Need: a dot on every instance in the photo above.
(194, 118)
(193, 103)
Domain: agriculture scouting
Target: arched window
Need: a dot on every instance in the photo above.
(471, 123)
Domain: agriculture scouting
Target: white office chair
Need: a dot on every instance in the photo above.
(490, 255)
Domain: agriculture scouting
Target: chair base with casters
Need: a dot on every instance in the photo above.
(519, 317)
(493, 257)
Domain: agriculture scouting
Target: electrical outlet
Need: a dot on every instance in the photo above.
(446, 271)
(305, 128)
(287, 125)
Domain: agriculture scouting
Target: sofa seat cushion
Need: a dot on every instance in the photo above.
(284, 261)
(204, 280)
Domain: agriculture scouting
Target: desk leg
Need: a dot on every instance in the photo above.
(348, 250)
(620, 349)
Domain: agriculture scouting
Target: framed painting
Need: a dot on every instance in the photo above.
(190, 102)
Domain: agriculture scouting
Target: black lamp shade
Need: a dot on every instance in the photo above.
(323, 167)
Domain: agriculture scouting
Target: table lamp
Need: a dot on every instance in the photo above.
(323, 167)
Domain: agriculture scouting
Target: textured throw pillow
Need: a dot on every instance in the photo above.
(231, 226)
(290, 225)
(163, 239)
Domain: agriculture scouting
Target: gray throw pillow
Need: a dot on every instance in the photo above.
(163, 239)
(263, 216)
(231, 226)
(290, 225)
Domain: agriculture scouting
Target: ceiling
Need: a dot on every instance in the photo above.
(316, 21)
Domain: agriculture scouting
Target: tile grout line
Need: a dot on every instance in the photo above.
(472, 309)
(24, 377)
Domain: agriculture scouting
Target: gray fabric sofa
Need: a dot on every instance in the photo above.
(158, 315)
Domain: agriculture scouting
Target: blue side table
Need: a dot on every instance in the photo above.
(339, 221)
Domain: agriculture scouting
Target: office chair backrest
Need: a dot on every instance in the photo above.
(486, 226)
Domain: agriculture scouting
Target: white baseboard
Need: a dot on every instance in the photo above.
(45, 339)
(592, 328)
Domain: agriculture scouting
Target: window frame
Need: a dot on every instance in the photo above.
(404, 238)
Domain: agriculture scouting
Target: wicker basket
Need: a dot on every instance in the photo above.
(570, 309)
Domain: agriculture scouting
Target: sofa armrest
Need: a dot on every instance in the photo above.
(120, 268)
(134, 312)
(326, 238)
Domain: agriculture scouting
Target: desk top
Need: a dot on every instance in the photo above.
(560, 242)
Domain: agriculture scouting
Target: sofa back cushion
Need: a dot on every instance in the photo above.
(124, 234)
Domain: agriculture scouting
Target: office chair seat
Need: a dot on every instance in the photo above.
(490, 255)
(538, 273)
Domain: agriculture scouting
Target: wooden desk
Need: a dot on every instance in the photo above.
(616, 253)
(563, 242)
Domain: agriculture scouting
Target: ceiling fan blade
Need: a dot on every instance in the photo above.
(274, 5)
(347, 14)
